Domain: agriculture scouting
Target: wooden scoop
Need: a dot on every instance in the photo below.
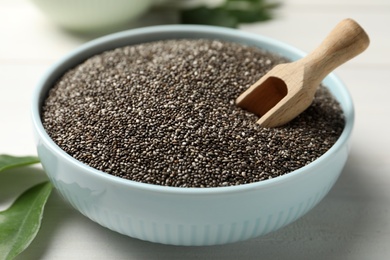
(288, 89)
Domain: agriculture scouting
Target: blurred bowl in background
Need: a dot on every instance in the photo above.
(92, 15)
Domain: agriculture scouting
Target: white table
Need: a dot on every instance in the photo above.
(352, 222)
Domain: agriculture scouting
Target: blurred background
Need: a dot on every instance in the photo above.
(352, 222)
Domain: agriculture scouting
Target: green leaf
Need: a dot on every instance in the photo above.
(229, 14)
(209, 16)
(20, 223)
(250, 11)
(9, 161)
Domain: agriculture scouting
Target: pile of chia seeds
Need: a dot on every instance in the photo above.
(164, 113)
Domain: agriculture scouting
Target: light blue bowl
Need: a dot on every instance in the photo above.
(188, 216)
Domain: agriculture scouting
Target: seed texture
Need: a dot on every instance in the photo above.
(163, 113)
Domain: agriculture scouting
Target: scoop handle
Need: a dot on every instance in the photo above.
(347, 40)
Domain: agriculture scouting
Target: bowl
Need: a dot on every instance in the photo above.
(92, 15)
(188, 216)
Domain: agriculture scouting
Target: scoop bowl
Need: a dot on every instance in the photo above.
(188, 216)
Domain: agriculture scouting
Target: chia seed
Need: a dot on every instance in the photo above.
(164, 113)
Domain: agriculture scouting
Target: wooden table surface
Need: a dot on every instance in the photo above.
(352, 222)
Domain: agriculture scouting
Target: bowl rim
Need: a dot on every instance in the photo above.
(120, 38)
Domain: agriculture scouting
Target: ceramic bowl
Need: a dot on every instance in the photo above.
(188, 216)
(92, 15)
